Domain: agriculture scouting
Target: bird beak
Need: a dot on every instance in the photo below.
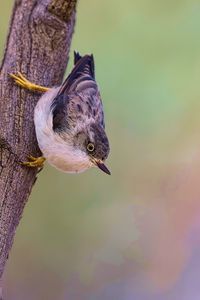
(99, 163)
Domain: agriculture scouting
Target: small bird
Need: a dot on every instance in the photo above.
(69, 121)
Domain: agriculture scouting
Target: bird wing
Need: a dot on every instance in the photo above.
(78, 99)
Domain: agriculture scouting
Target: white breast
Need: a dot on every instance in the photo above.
(58, 152)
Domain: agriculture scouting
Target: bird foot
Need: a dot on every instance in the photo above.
(26, 84)
(34, 162)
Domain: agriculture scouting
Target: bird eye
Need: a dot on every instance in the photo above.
(90, 147)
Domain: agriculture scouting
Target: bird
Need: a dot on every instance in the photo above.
(69, 120)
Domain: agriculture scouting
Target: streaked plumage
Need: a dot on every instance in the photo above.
(70, 117)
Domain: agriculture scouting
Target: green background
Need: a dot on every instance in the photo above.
(132, 235)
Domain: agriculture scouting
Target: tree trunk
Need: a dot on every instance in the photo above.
(37, 46)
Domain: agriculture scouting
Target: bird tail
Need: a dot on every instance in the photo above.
(84, 64)
(84, 67)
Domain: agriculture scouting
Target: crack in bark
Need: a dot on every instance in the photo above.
(63, 9)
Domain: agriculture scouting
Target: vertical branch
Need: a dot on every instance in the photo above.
(38, 46)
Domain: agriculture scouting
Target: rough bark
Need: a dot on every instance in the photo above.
(37, 46)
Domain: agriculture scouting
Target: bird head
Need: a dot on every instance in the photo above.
(93, 143)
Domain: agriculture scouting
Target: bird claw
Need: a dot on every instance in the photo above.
(34, 162)
(26, 84)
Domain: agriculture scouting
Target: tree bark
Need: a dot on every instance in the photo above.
(38, 46)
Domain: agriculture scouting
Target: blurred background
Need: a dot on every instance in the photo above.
(135, 234)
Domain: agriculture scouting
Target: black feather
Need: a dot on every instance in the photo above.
(59, 107)
(77, 57)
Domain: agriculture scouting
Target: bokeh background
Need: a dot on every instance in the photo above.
(135, 234)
